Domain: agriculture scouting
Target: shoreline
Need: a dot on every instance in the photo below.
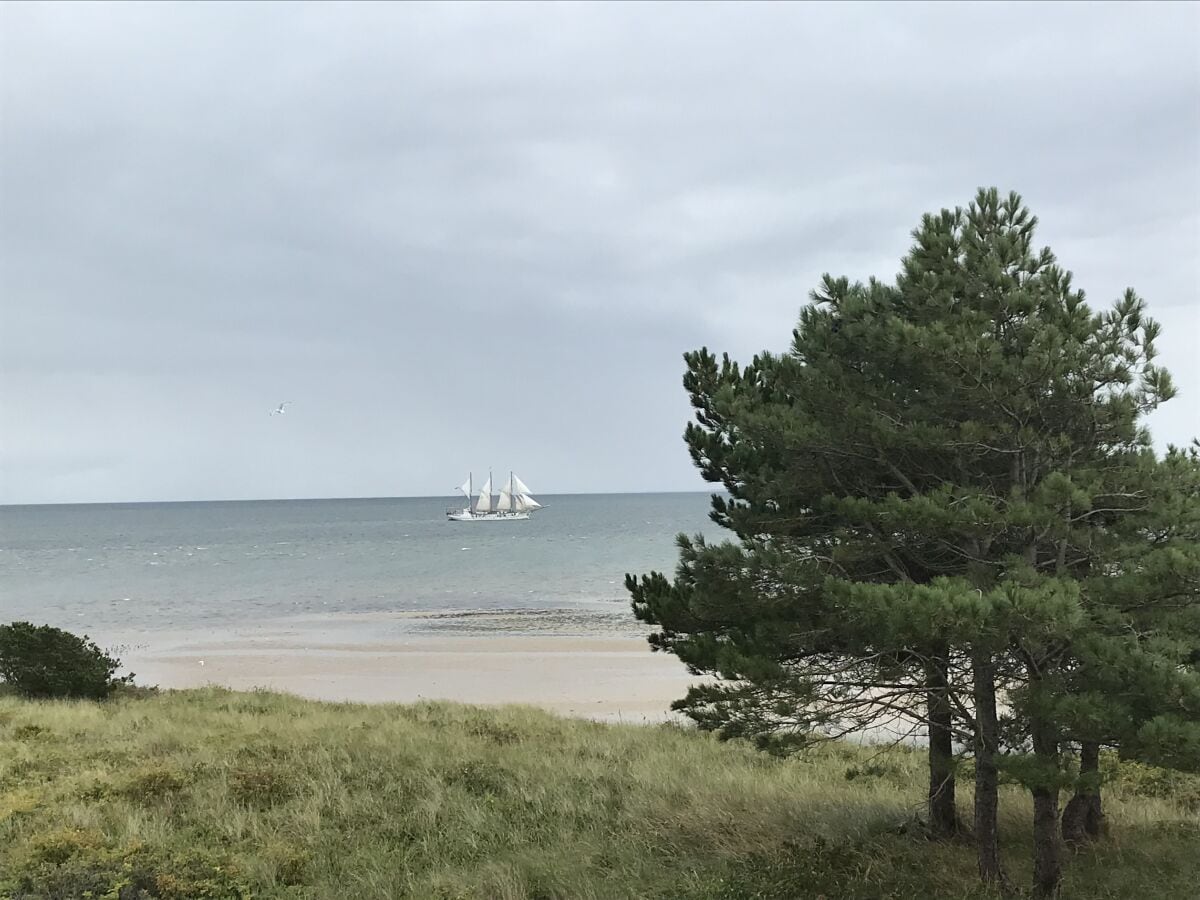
(600, 677)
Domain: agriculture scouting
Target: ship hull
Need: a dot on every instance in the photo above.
(466, 516)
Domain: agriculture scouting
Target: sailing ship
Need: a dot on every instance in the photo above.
(513, 504)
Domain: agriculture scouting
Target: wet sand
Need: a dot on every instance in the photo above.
(606, 677)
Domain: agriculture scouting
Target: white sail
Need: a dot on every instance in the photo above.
(524, 499)
(484, 503)
(514, 503)
(505, 502)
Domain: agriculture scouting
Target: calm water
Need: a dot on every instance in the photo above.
(128, 569)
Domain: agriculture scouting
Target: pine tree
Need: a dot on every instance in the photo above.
(938, 495)
(1132, 682)
(798, 440)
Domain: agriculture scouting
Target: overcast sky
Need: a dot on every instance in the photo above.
(460, 236)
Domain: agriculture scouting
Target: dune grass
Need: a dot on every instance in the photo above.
(214, 794)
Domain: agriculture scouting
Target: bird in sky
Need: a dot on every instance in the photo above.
(280, 409)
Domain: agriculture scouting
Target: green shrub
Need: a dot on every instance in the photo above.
(151, 783)
(73, 863)
(1140, 780)
(261, 786)
(43, 661)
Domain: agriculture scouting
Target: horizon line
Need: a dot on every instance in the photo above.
(322, 499)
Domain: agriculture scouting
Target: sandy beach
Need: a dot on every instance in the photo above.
(610, 678)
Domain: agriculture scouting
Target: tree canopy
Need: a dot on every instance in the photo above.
(948, 517)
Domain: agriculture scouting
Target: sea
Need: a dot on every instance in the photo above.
(360, 569)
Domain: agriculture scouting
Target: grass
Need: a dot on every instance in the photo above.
(213, 794)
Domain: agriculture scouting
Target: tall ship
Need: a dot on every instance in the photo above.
(513, 504)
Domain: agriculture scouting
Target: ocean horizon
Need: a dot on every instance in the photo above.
(451, 499)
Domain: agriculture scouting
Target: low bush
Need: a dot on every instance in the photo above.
(47, 662)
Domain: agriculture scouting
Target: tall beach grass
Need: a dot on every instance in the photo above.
(212, 793)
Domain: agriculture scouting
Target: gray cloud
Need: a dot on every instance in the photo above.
(458, 235)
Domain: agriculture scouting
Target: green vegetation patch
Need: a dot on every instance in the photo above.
(215, 794)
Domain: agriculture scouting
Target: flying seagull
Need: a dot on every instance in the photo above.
(279, 410)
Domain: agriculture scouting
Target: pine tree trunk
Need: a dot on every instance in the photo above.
(1047, 863)
(987, 777)
(943, 815)
(1094, 824)
(1083, 818)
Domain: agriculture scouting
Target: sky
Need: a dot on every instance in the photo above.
(461, 236)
